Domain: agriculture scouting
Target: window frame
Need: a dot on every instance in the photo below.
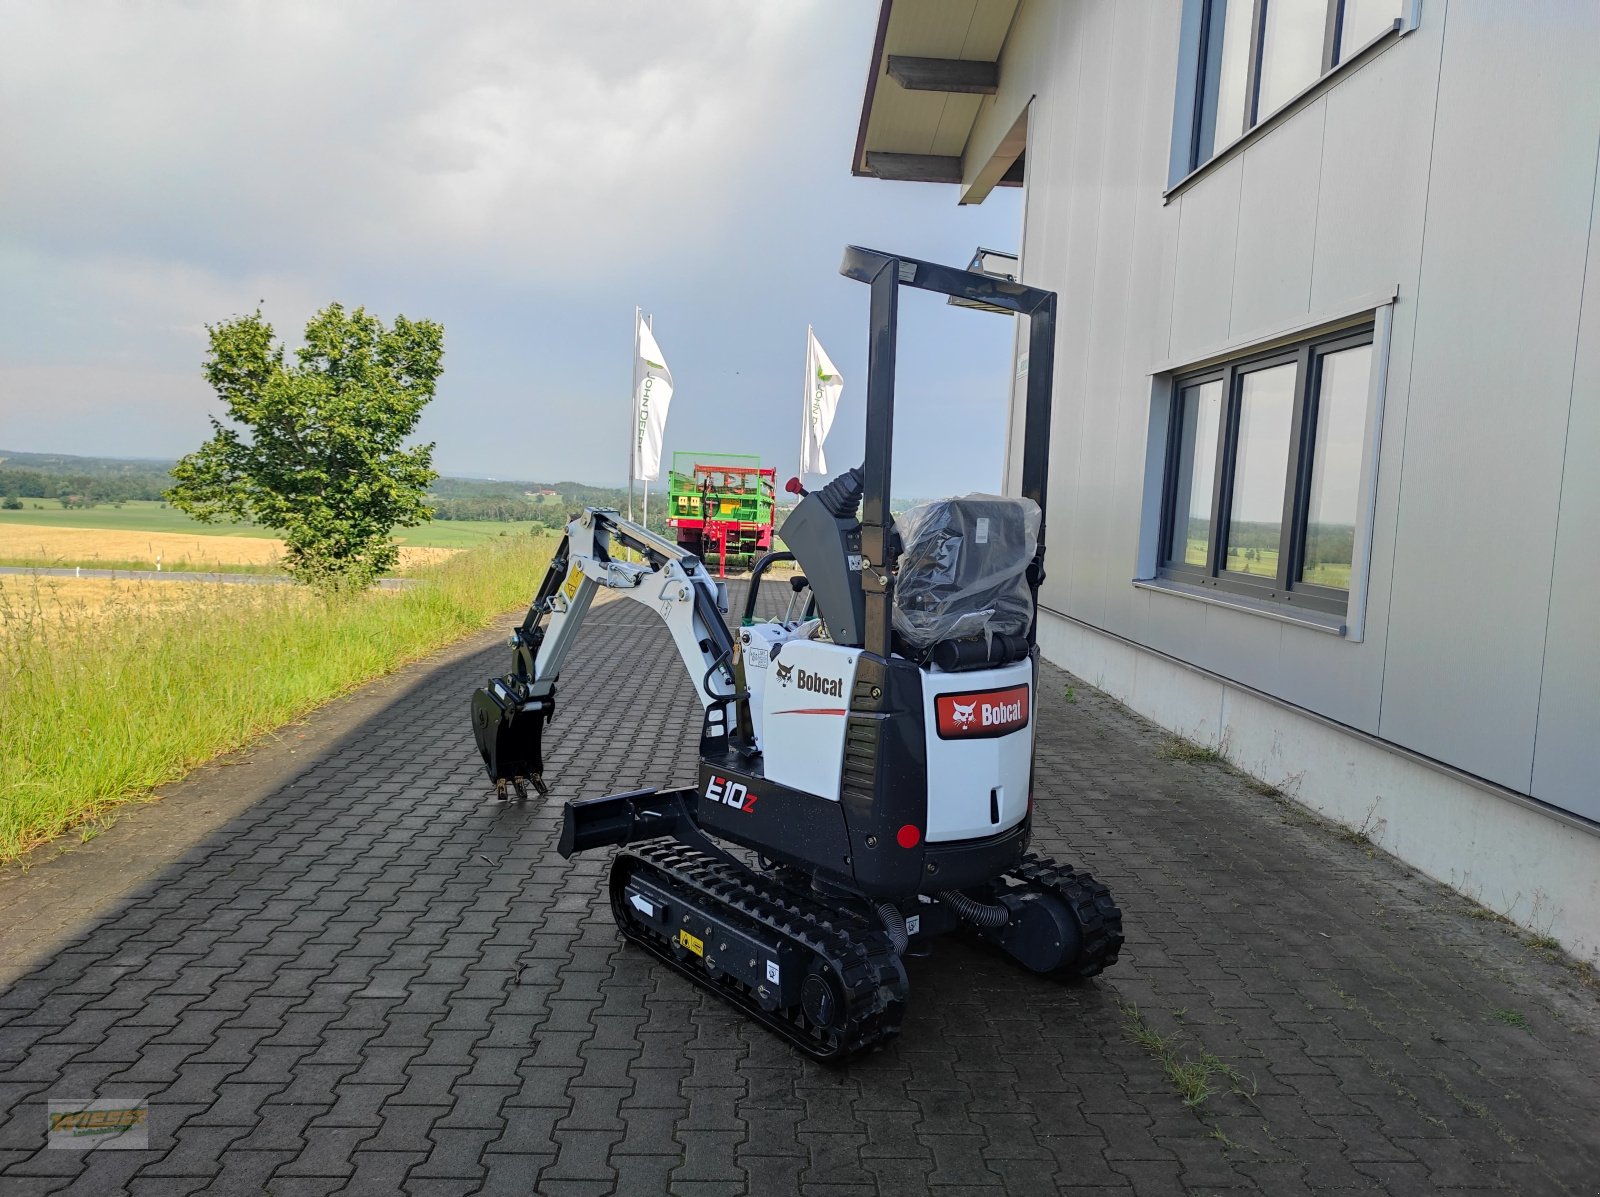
(1284, 588)
(1203, 57)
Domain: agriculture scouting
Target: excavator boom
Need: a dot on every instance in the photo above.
(509, 714)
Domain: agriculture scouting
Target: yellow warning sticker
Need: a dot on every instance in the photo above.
(574, 580)
(693, 944)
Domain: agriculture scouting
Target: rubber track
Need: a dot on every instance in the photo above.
(859, 956)
(1092, 905)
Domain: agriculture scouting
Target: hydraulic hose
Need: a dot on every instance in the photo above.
(705, 680)
(980, 914)
(895, 924)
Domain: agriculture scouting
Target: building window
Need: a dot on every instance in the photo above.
(1254, 56)
(1264, 473)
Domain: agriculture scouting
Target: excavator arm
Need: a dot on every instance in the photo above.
(509, 714)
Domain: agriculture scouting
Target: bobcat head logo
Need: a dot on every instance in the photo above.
(783, 673)
(963, 714)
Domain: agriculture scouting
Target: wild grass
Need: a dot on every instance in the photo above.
(134, 565)
(143, 516)
(1177, 748)
(95, 713)
(1195, 1077)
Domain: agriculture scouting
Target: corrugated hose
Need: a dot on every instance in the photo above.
(981, 914)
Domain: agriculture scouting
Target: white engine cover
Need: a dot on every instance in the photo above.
(979, 729)
(756, 643)
(805, 701)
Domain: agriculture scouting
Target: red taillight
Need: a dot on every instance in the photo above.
(908, 836)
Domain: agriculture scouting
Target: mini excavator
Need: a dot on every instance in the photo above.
(866, 760)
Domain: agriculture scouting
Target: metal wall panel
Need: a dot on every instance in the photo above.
(1202, 284)
(1052, 193)
(1147, 266)
(1508, 216)
(1277, 225)
(1374, 188)
(1564, 769)
(1111, 132)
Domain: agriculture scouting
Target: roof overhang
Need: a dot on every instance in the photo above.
(935, 65)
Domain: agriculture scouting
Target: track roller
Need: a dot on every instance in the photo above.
(826, 979)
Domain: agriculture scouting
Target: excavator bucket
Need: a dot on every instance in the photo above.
(509, 740)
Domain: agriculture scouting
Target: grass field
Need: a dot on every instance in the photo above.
(116, 548)
(195, 670)
(55, 607)
(141, 515)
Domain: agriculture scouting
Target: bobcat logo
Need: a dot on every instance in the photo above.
(963, 714)
(783, 673)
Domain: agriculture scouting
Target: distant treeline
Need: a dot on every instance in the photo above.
(89, 481)
(508, 508)
(85, 490)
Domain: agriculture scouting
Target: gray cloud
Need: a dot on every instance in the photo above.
(524, 173)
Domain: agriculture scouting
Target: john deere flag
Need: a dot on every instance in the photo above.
(823, 384)
(651, 397)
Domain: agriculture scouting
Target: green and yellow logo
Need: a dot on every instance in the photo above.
(107, 1122)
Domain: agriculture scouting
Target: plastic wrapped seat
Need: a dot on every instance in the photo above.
(963, 569)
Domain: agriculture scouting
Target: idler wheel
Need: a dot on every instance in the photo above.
(818, 1001)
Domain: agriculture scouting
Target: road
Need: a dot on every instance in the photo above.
(372, 978)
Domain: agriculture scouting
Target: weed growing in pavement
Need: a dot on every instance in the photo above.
(1071, 695)
(1194, 1077)
(1176, 748)
(98, 713)
(1544, 943)
(1511, 1018)
(1361, 836)
(1221, 1136)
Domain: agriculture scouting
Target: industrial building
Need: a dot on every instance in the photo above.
(1324, 490)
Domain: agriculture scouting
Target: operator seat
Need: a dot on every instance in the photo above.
(961, 597)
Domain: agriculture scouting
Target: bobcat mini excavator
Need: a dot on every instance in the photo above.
(874, 757)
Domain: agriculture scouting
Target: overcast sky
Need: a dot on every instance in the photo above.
(524, 174)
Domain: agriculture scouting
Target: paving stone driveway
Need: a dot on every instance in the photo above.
(378, 981)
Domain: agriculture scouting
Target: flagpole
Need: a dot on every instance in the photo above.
(651, 321)
(633, 416)
(805, 408)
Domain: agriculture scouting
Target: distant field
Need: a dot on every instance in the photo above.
(148, 516)
(52, 606)
(136, 515)
(113, 548)
(460, 534)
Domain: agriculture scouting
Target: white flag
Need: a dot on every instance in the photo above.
(823, 384)
(651, 397)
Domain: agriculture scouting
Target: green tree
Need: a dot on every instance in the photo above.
(317, 453)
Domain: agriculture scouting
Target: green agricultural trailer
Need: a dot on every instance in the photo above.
(720, 506)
